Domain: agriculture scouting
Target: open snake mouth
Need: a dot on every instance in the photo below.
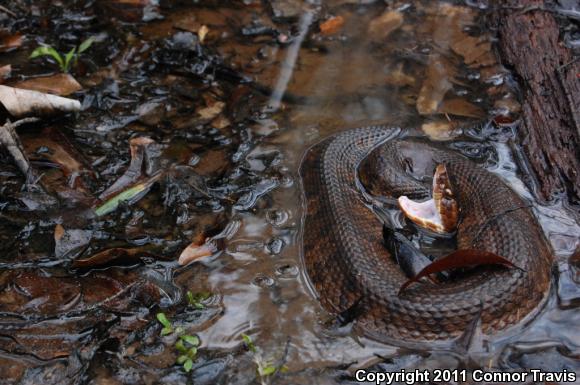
(439, 213)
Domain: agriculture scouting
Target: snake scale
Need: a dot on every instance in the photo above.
(348, 265)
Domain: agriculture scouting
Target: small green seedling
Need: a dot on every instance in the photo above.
(65, 61)
(264, 368)
(186, 344)
(195, 300)
(167, 328)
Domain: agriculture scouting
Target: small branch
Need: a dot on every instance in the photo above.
(6, 10)
(9, 138)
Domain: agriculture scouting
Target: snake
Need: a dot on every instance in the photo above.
(348, 266)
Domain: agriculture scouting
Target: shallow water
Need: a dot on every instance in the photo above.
(284, 85)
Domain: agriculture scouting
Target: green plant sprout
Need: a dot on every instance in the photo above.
(186, 344)
(65, 60)
(195, 300)
(264, 368)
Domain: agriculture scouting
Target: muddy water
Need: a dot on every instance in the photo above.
(233, 116)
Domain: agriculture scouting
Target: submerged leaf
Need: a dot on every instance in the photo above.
(195, 251)
(459, 259)
(130, 195)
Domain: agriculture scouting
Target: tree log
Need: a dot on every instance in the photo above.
(549, 78)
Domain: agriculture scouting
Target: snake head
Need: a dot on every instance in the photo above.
(439, 213)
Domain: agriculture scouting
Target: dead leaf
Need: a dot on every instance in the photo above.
(435, 86)
(115, 255)
(60, 151)
(9, 42)
(144, 152)
(58, 232)
(202, 33)
(5, 72)
(212, 111)
(70, 242)
(60, 84)
(332, 25)
(459, 259)
(472, 49)
(398, 78)
(381, 27)
(438, 130)
(196, 251)
(21, 103)
(460, 107)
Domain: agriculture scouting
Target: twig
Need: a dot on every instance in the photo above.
(6, 10)
(9, 138)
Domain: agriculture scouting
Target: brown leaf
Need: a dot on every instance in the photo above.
(116, 255)
(332, 25)
(381, 27)
(9, 42)
(59, 84)
(460, 107)
(459, 259)
(58, 232)
(5, 72)
(439, 76)
(20, 103)
(196, 251)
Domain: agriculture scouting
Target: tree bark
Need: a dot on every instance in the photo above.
(549, 78)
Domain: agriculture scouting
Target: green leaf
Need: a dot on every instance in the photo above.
(67, 59)
(191, 353)
(188, 365)
(181, 359)
(249, 342)
(124, 196)
(190, 298)
(86, 44)
(284, 369)
(46, 50)
(162, 318)
(166, 331)
(192, 340)
(180, 346)
(267, 371)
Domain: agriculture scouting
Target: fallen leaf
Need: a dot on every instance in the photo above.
(5, 72)
(116, 255)
(381, 27)
(21, 103)
(60, 84)
(212, 111)
(474, 50)
(398, 78)
(9, 42)
(196, 251)
(70, 242)
(60, 151)
(332, 25)
(130, 195)
(438, 130)
(144, 151)
(58, 232)
(435, 86)
(460, 107)
(202, 33)
(459, 259)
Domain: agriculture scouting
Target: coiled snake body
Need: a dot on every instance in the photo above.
(349, 266)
